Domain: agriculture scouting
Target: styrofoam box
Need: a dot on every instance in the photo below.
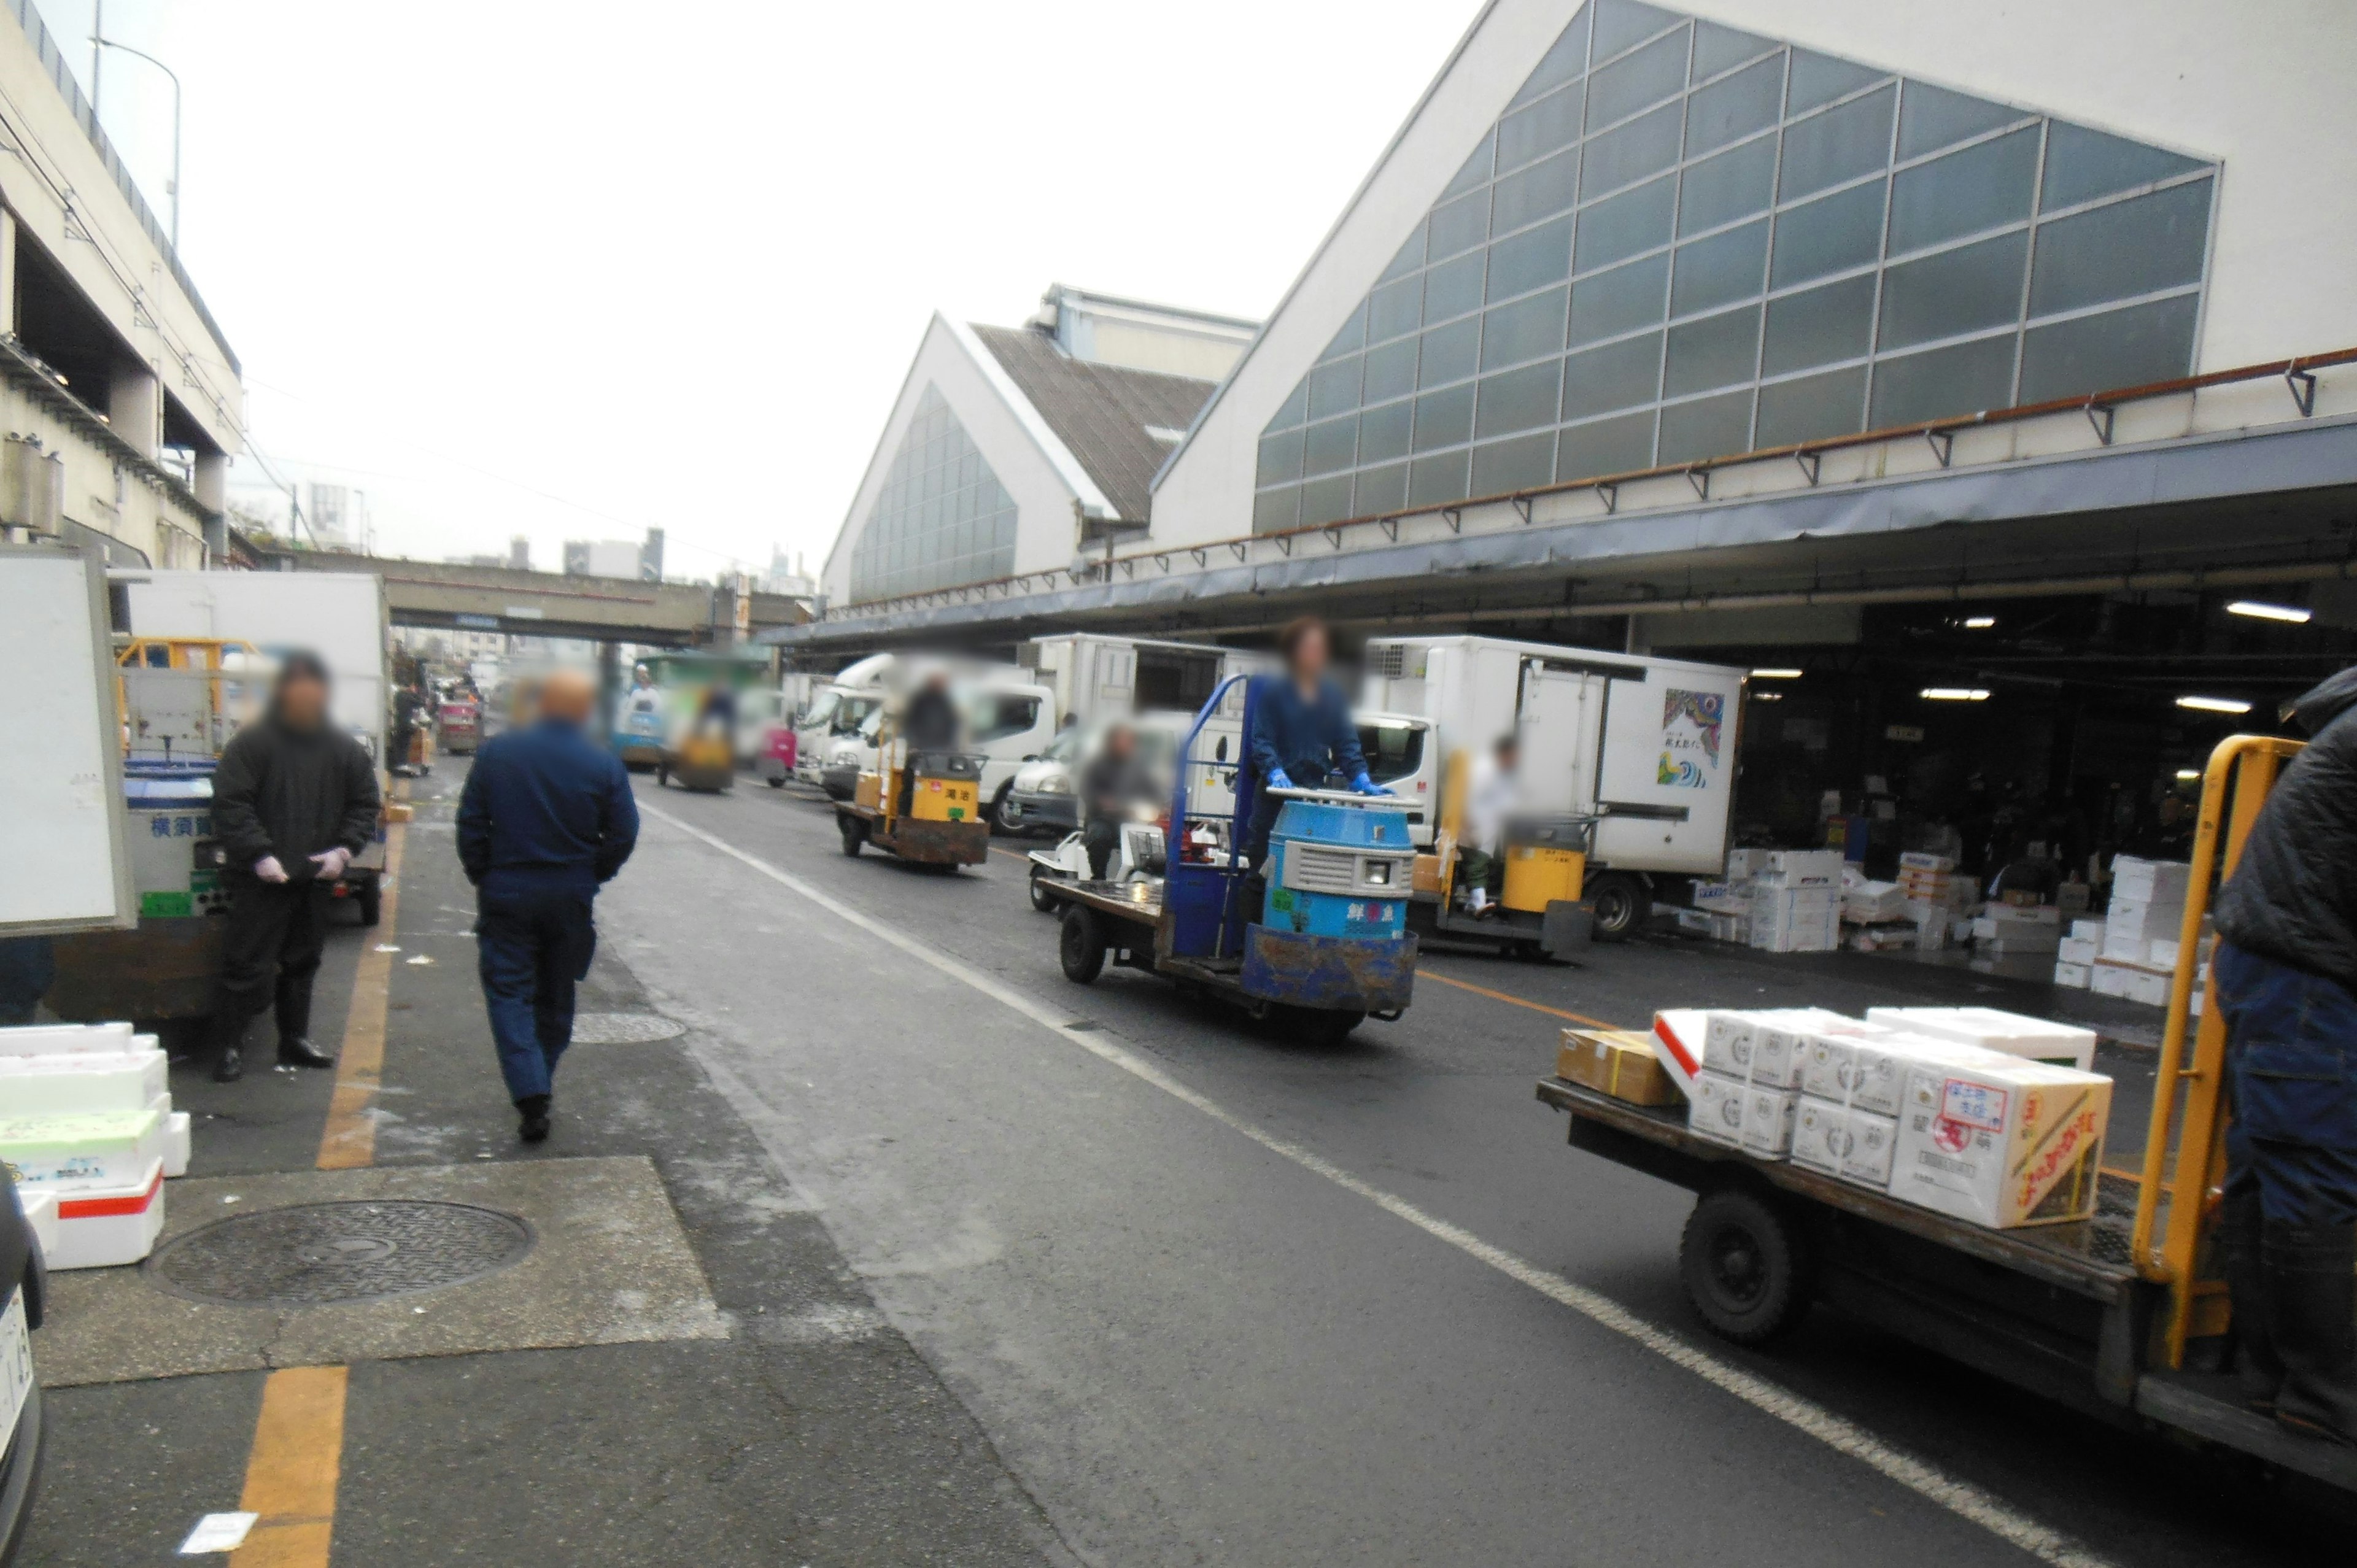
(2027, 915)
(2002, 1144)
(1743, 1116)
(1767, 1116)
(52, 1039)
(1714, 1110)
(1805, 867)
(177, 1144)
(40, 1207)
(2151, 881)
(1917, 860)
(70, 1152)
(1843, 1140)
(1742, 864)
(2075, 975)
(1865, 1064)
(106, 1227)
(2087, 932)
(2078, 949)
(2161, 952)
(1758, 1047)
(2008, 1034)
(2108, 977)
(82, 1081)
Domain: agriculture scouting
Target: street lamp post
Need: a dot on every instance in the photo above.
(100, 42)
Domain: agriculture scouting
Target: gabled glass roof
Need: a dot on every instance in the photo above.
(943, 520)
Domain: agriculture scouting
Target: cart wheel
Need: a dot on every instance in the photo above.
(1620, 906)
(1040, 898)
(662, 775)
(1323, 1026)
(371, 899)
(1081, 945)
(1746, 1269)
(853, 831)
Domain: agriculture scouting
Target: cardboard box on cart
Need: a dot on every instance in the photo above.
(1618, 1062)
(2001, 1143)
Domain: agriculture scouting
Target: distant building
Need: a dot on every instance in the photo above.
(786, 577)
(651, 557)
(519, 553)
(615, 557)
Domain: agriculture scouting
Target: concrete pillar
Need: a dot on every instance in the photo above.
(210, 480)
(609, 686)
(7, 271)
(1640, 637)
(135, 407)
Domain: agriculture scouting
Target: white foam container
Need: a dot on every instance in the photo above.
(82, 1083)
(53, 1039)
(106, 1227)
(2009, 1034)
(178, 1142)
(40, 1207)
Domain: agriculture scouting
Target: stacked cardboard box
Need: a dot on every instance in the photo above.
(87, 1125)
(2008, 930)
(2147, 902)
(1796, 901)
(2000, 1141)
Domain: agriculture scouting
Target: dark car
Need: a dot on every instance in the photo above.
(24, 1285)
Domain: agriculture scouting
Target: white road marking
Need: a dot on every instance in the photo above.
(1959, 1496)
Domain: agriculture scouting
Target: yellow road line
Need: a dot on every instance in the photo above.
(350, 1139)
(1517, 1001)
(290, 1479)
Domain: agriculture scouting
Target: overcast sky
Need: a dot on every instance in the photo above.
(570, 270)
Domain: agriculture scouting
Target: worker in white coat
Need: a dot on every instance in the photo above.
(1490, 796)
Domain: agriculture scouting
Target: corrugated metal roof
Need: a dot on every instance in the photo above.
(1106, 414)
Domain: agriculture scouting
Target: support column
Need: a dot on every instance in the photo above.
(135, 407)
(7, 271)
(609, 686)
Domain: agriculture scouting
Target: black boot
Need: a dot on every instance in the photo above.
(2312, 1272)
(228, 1039)
(229, 1066)
(534, 1129)
(293, 1050)
(2260, 1373)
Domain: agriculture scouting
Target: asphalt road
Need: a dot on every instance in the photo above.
(1216, 1296)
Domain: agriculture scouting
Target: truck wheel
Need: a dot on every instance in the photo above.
(1745, 1266)
(371, 899)
(853, 831)
(778, 782)
(1081, 945)
(1040, 898)
(1620, 906)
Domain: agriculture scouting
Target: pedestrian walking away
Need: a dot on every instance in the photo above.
(546, 818)
(294, 799)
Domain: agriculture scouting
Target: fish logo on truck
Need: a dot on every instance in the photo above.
(1691, 723)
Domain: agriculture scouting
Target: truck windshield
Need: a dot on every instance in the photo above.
(1393, 750)
(821, 715)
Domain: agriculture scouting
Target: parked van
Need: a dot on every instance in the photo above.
(1009, 721)
(1098, 677)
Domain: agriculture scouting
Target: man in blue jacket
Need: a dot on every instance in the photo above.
(546, 820)
(1301, 731)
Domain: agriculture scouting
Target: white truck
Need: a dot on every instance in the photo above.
(1096, 677)
(1646, 745)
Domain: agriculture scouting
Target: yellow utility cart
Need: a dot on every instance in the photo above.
(935, 821)
(1541, 911)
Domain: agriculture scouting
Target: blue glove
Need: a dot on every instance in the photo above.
(1277, 781)
(1366, 785)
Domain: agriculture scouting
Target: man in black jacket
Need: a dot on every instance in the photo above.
(2285, 980)
(294, 799)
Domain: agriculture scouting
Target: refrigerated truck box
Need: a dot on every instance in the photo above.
(1096, 676)
(1646, 745)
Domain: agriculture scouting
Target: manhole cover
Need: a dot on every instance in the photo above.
(624, 1028)
(321, 1253)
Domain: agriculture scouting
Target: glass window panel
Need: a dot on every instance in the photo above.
(1390, 370)
(1831, 402)
(1523, 330)
(1518, 400)
(1532, 259)
(1379, 490)
(1840, 144)
(1565, 60)
(1436, 481)
(1727, 266)
(1540, 191)
(1619, 301)
(1394, 308)
(1731, 185)
(2137, 246)
(1819, 325)
(1522, 464)
(2131, 348)
(1963, 193)
(1457, 226)
(1820, 79)
(1731, 110)
(1444, 418)
(1351, 339)
(1619, 23)
(1646, 145)
(1964, 378)
(1453, 288)
(1622, 225)
(2081, 165)
(1384, 432)
(1719, 48)
(1475, 170)
(1607, 447)
(1448, 352)
(1618, 375)
(1326, 500)
(1410, 257)
(1617, 90)
(1334, 389)
(1714, 427)
(1954, 292)
(1295, 410)
(1932, 117)
(1532, 133)
(1840, 232)
(1332, 447)
(1275, 509)
(1715, 351)
(1280, 457)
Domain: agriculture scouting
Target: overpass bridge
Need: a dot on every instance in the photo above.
(548, 603)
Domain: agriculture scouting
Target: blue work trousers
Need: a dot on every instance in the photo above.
(532, 947)
(2291, 1082)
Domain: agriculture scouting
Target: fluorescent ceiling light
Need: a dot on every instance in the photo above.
(2187, 775)
(2257, 610)
(1767, 697)
(1954, 695)
(1776, 673)
(2214, 704)
(1979, 623)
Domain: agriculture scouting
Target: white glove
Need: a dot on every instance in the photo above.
(269, 870)
(331, 862)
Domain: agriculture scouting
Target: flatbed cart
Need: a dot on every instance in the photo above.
(2123, 1316)
(1198, 923)
(942, 825)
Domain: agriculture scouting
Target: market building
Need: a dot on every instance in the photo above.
(1988, 388)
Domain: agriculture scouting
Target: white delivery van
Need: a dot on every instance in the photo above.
(835, 712)
(1645, 745)
(1097, 676)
